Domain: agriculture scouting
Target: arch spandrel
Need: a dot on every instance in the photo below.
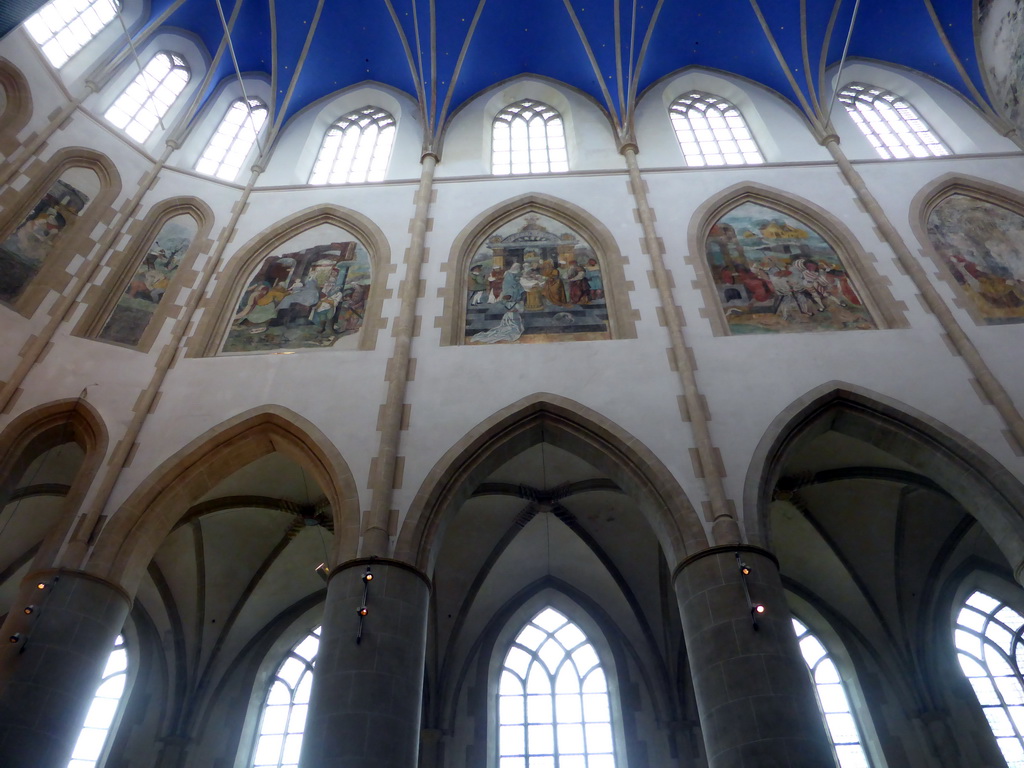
(136, 530)
(562, 422)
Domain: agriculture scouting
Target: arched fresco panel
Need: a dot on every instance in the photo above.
(1001, 37)
(151, 280)
(982, 244)
(310, 292)
(775, 274)
(24, 251)
(532, 280)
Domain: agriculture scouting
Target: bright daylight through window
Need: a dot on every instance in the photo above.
(63, 27)
(93, 736)
(528, 137)
(892, 126)
(233, 140)
(356, 148)
(991, 653)
(284, 714)
(711, 131)
(835, 706)
(146, 101)
(553, 707)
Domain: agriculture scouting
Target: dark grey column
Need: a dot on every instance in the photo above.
(367, 696)
(49, 676)
(755, 699)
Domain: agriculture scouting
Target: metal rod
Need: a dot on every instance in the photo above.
(238, 74)
(842, 60)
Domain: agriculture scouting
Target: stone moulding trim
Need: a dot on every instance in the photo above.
(18, 109)
(722, 550)
(361, 562)
(620, 312)
(872, 287)
(229, 283)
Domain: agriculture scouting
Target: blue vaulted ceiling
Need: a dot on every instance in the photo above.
(610, 49)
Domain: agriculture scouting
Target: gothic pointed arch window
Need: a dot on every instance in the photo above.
(528, 137)
(711, 131)
(990, 648)
(283, 718)
(233, 140)
(356, 148)
(833, 700)
(62, 28)
(553, 707)
(142, 106)
(893, 127)
(95, 733)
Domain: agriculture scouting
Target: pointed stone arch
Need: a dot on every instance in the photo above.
(230, 283)
(934, 194)
(18, 107)
(135, 531)
(964, 470)
(872, 288)
(621, 317)
(568, 425)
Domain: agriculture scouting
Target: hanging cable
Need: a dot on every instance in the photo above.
(135, 55)
(842, 60)
(238, 74)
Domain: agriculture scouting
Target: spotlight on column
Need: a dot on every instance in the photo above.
(758, 608)
(362, 611)
(323, 571)
(15, 638)
(368, 576)
(744, 569)
(42, 585)
(29, 610)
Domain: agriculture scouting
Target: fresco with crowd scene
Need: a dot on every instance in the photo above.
(309, 293)
(774, 274)
(23, 252)
(144, 292)
(534, 280)
(982, 245)
(1001, 38)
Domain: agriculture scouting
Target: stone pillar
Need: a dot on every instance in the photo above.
(368, 696)
(49, 676)
(756, 702)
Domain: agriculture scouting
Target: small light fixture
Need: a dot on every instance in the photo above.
(41, 585)
(15, 638)
(29, 610)
(368, 576)
(323, 571)
(362, 610)
(758, 608)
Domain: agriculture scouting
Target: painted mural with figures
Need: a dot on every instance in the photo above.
(982, 245)
(310, 293)
(774, 274)
(535, 280)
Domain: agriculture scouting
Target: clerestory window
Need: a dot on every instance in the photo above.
(711, 131)
(283, 719)
(233, 140)
(94, 734)
(356, 148)
(991, 653)
(63, 27)
(888, 121)
(528, 137)
(553, 706)
(833, 701)
(145, 102)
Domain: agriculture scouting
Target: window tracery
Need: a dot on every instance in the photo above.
(888, 121)
(356, 148)
(990, 650)
(831, 694)
(63, 27)
(528, 137)
(553, 704)
(283, 719)
(145, 102)
(711, 131)
(233, 140)
(93, 736)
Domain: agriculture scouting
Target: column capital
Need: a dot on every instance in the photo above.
(362, 562)
(59, 573)
(722, 550)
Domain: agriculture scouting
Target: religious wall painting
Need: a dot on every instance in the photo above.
(309, 293)
(982, 245)
(147, 286)
(535, 280)
(775, 274)
(1001, 38)
(25, 250)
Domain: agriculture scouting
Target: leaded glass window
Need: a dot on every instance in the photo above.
(711, 131)
(528, 137)
(63, 27)
(93, 736)
(233, 140)
(553, 705)
(892, 126)
(356, 148)
(989, 647)
(283, 719)
(145, 102)
(835, 706)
